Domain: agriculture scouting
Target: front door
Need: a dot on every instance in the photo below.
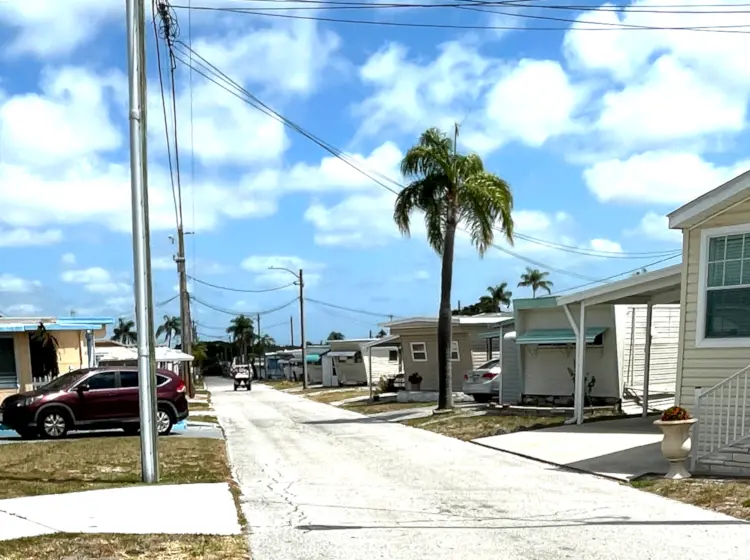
(8, 377)
(99, 403)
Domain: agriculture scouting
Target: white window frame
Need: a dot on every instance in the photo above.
(455, 350)
(700, 324)
(423, 351)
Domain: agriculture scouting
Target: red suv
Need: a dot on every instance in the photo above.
(93, 399)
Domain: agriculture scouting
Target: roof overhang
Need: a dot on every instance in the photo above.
(422, 322)
(714, 201)
(658, 287)
(342, 354)
(389, 340)
(30, 324)
(557, 336)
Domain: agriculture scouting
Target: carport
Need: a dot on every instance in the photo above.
(659, 287)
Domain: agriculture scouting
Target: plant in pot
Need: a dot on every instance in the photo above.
(675, 424)
(415, 380)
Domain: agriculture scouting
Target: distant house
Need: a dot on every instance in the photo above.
(111, 353)
(359, 361)
(19, 349)
(475, 339)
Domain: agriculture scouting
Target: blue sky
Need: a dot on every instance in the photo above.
(599, 134)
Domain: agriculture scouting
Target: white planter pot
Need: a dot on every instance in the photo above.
(676, 446)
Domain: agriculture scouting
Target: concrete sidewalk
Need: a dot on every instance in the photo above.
(135, 510)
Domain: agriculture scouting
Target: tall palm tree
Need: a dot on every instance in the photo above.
(537, 280)
(242, 332)
(500, 295)
(124, 332)
(171, 327)
(451, 189)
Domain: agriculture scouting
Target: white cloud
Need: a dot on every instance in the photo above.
(261, 268)
(68, 259)
(163, 263)
(48, 28)
(24, 237)
(499, 101)
(22, 310)
(656, 226)
(605, 246)
(671, 101)
(96, 280)
(414, 276)
(120, 303)
(668, 178)
(13, 284)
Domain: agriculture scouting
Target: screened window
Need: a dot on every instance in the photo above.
(728, 287)
(455, 355)
(419, 351)
(393, 355)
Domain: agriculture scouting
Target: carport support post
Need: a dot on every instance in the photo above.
(369, 368)
(647, 357)
(578, 386)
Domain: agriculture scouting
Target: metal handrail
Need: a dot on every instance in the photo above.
(722, 412)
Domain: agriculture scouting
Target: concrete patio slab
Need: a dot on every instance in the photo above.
(134, 510)
(623, 449)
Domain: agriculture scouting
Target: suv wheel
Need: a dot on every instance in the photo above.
(164, 420)
(53, 424)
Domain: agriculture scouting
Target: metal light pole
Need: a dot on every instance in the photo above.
(301, 283)
(136, 19)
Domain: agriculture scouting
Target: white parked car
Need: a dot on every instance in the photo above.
(483, 383)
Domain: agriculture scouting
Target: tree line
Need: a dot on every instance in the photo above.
(499, 296)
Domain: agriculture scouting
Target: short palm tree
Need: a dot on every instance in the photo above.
(124, 332)
(451, 189)
(50, 351)
(170, 328)
(335, 336)
(536, 280)
(242, 332)
(500, 295)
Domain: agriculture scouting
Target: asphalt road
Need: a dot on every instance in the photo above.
(323, 483)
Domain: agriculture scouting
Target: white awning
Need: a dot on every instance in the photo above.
(342, 354)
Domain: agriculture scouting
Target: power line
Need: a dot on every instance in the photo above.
(342, 316)
(608, 278)
(249, 313)
(604, 26)
(258, 104)
(342, 308)
(239, 289)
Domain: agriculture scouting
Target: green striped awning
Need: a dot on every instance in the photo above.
(312, 358)
(492, 334)
(557, 336)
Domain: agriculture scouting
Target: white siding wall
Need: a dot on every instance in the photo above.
(545, 370)
(381, 365)
(664, 347)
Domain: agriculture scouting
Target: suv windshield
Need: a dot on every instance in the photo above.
(64, 381)
(490, 364)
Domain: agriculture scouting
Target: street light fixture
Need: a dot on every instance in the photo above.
(301, 283)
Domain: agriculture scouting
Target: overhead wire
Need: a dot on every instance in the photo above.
(241, 290)
(333, 313)
(351, 310)
(235, 313)
(252, 100)
(603, 26)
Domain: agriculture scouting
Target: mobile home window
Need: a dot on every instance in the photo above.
(455, 355)
(393, 355)
(419, 351)
(727, 287)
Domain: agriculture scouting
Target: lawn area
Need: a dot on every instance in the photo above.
(53, 467)
(367, 407)
(203, 418)
(281, 384)
(468, 427)
(731, 497)
(199, 406)
(172, 547)
(337, 395)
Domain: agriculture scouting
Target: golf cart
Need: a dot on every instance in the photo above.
(242, 376)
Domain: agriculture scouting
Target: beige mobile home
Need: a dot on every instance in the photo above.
(714, 365)
(472, 345)
(349, 361)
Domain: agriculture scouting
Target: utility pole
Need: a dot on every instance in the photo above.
(136, 50)
(291, 331)
(262, 357)
(302, 328)
(185, 323)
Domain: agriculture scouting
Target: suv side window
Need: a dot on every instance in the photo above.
(161, 379)
(104, 380)
(129, 379)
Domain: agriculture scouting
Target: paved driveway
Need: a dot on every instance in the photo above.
(324, 483)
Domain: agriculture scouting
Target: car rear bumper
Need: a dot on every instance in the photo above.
(477, 389)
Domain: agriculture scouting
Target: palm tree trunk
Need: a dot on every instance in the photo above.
(445, 325)
(533, 292)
